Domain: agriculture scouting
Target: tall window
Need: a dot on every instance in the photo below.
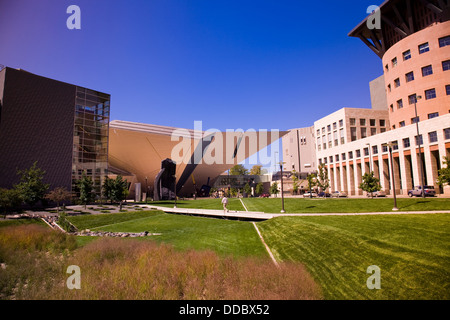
(447, 133)
(445, 41)
(402, 124)
(430, 94)
(341, 123)
(353, 133)
(432, 136)
(382, 123)
(415, 120)
(352, 121)
(397, 82)
(373, 131)
(424, 48)
(358, 152)
(400, 104)
(375, 149)
(447, 89)
(362, 122)
(409, 76)
(363, 133)
(446, 65)
(427, 71)
(406, 55)
(373, 122)
(406, 143)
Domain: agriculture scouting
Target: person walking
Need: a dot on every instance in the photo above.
(225, 203)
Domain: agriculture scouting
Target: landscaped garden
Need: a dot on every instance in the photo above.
(321, 257)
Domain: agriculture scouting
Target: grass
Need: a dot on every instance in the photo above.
(225, 237)
(300, 205)
(413, 252)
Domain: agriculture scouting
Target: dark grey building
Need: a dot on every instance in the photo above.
(61, 126)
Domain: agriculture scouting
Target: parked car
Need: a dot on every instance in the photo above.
(310, 195)
(324, 194)
(338, 194)
(377, 194)
(265, 195)
(417, 192)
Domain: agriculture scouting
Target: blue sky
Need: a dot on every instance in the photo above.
(231, 64)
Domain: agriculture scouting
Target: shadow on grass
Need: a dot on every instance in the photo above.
(413, 204)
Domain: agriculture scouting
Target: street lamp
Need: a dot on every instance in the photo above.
(420, 144)
(370, 157)
(282, 195)
(175, 190)
(390, 144)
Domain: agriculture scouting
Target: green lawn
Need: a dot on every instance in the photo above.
(413, 252)
(300, 205)
(184, 232)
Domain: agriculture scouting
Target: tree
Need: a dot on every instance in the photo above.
(108, 189)
(115, 189)
(247, 189)
(31, 185)
(120, 191)
(58, 195)
(295, 182)
(311, 182)
(238, 170)
(274, 189)
(444, 173)
(10, 200)
(86, 188)
(259, 189)
(370, 183)
(256, 170)
(322, 180)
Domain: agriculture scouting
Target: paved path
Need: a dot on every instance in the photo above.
(248, 215)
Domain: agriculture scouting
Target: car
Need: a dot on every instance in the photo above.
(324, 194)
(338, 194)
(377, 194)
(417, 191)
(310, 195)
(265, 195)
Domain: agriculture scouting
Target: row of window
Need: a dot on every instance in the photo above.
(426, 71)
(432, 138)
(412, 99)
(422, 48)
(341, 124)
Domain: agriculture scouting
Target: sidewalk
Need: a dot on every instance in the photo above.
(267, 216)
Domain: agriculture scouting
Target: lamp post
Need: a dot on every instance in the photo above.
(370, 157)
(175, 190)
(390, 144)
(146, 190)
(420, 145)
(282, 195)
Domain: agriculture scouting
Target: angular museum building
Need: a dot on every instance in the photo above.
(67, 130)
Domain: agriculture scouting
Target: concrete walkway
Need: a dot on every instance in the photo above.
(248, 215)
